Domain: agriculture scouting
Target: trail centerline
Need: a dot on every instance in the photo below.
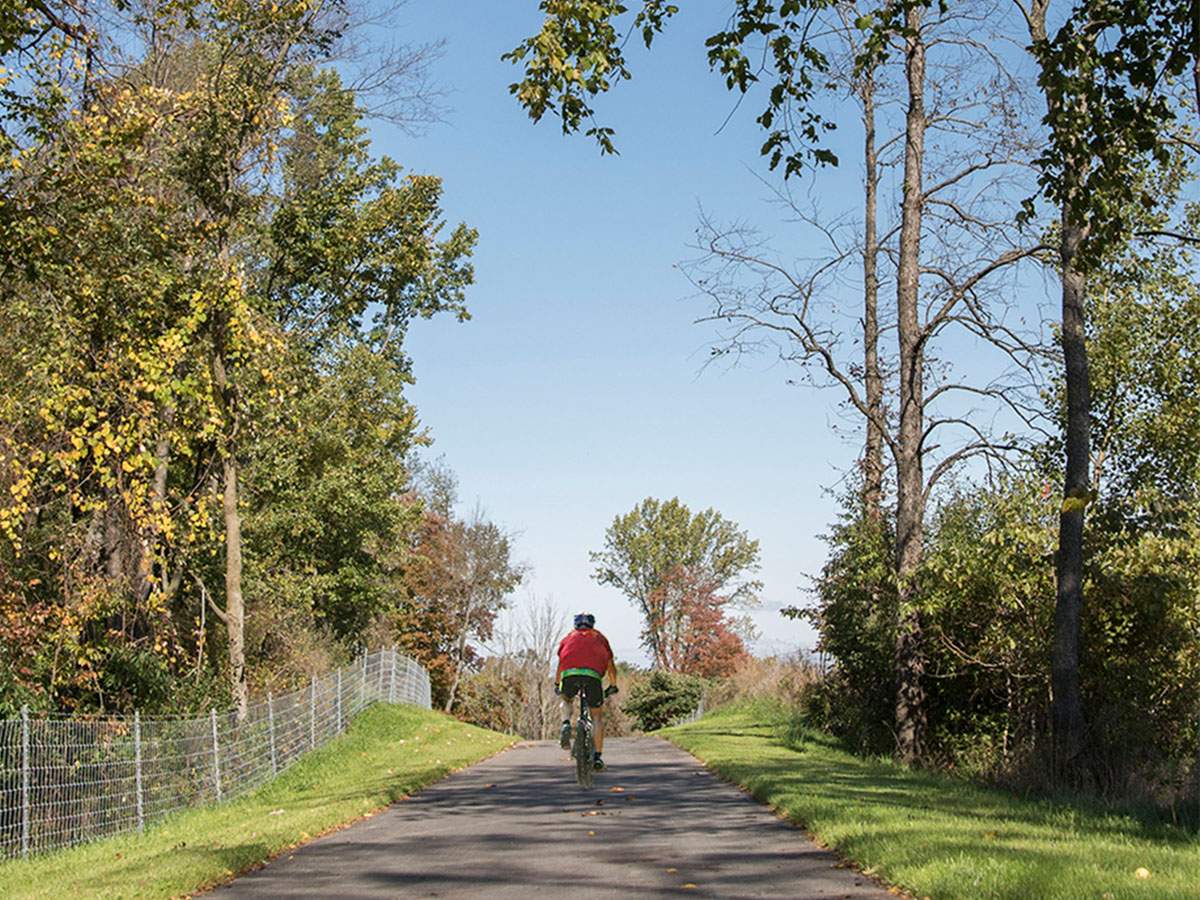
(517, 826)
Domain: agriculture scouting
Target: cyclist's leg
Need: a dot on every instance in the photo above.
(596, 701)
(568, 706)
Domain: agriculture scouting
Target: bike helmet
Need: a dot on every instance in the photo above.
(585, 620)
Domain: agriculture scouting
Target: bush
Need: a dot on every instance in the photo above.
(490, 700)
(662, 698)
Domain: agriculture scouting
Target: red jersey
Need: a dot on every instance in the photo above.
(585, 648)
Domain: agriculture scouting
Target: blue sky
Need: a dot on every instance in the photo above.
(577, 390)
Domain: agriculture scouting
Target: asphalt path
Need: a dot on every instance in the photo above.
(517, 826)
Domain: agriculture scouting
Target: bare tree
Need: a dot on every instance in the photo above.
(953, 239)
(544, 626)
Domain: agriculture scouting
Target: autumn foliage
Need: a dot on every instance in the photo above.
(687, 626)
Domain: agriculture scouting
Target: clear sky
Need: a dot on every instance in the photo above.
(577, 389)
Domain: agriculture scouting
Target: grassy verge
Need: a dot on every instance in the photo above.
(388, 752)
(938, 837)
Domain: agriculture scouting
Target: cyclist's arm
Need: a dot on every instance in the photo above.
(612, 671)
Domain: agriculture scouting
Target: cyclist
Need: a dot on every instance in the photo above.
(584, 658)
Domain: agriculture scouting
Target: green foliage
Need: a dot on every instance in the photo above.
(1109, 76)
(662, 698)
(855, 616)
(989, 583)
(988, 593)
(206, 275)
(579, 54)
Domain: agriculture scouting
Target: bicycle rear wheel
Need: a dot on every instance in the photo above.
(584, 752)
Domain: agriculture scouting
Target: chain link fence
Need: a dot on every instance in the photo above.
(66, 781)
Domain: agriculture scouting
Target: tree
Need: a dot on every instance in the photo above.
(456, 578)
(688, 628)
(656, 542)
(201, 259)
(1107, 78)
(484, 574)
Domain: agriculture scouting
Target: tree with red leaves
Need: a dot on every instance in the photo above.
(687, 626)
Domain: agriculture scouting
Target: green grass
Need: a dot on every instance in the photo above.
(387, 753)
(935, 836)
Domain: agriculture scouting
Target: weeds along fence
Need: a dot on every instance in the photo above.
(66, 781)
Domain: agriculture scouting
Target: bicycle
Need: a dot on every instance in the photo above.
(583, 748)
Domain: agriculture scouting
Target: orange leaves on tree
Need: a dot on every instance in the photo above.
(687, 625)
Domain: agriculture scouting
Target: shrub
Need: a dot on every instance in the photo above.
(662, 698)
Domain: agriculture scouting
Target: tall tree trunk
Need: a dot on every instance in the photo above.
(910, 712)
(458, 665)
(1067, 723)
(235, 610)
(873, 455)
(1066, 705)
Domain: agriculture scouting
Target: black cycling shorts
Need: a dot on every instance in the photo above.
(593, 688)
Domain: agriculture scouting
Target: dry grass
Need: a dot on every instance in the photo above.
(778, 677)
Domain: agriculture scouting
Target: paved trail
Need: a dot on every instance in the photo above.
(516, 827)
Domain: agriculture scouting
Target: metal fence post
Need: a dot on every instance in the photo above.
(312, 714)
(216, 756)
(392, 686)
(137, 762)
(271, 731)
(362, 687)
(339, 702)
(24, 782)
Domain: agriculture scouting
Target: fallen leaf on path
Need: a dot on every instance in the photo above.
(617, 789)
(672, 869)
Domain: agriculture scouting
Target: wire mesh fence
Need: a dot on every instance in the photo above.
(694, 716)
(66, 781)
